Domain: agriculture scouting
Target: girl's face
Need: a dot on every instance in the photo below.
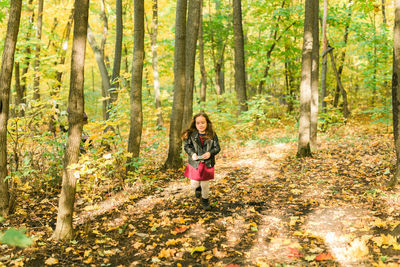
(201, 124)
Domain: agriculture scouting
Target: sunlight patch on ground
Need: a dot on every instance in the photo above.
(345, 232)
(235, 227)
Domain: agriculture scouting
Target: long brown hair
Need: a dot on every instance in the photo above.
(192, 128)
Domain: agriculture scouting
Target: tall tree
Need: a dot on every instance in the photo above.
(240, 69)
(174, 160)
(135, 133)
(7, 64)
(304, 148)
(203, 88)
(156, 78)
(325, 56)
(64, 228)
(117, 58)
(396, 91)
(192, 32)
(36, 83)
(314, 76)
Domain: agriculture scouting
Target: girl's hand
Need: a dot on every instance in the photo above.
(206, 155)
(194, 156)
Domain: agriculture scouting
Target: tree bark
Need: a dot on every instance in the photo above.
(240, 69)
(117, 58)
(314, 77)
(192, 32)
(7, 65)
(396, 92)
(325, 57)
(203, 88)
(36, 82)
(174, 160)
(304, 148)
(156, 78)
(384, 12)
(64, 228)
(136, 124)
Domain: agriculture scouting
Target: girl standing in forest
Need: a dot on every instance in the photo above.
(201, 145)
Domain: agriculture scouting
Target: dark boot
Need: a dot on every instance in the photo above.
(205, 204)
(197, 193)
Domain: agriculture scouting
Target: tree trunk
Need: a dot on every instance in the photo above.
(36, 82)
(136, 124)
(64, 228)
(19, 93)
(174, 160)
(117, 58)
(203, 88)
(343, 56)
(156, 79)
(396, 92)
(7, 64)
(192, 31)
(240, 69)
(314, 77)
(384, 12)
(304, 149)
(325, 57)
(105, 79)
(346, 111)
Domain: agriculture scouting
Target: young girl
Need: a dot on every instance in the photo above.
(201, 145)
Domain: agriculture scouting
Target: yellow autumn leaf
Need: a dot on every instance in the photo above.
(198, 249)
(166, 253)
(51, 261)
(88, 260)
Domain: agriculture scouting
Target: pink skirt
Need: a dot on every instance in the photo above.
(202, 173)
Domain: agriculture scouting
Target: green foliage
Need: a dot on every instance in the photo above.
(14, 237)
(381, 114)
(332, 117)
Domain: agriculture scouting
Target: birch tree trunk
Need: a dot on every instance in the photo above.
(192, 32)
(304, 148)
(7, 64)
(64, 228)
(240, 69)
(136, 124)
(174, 160)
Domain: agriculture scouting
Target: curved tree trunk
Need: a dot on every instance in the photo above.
(7, 64)
(240, 69)
(174, 160)
(64, 228)
(157, 93)
(304, 148)
(136, 124)
(192, 32)
(203, 88)
(36, 83)
(396, 91)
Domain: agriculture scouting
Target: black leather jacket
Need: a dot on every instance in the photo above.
(193, 145)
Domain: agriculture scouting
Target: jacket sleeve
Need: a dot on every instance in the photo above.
(216, 148)
(188, 146)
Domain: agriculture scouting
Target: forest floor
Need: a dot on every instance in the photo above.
(269, 208)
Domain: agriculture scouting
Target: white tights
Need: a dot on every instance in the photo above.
(205, 187)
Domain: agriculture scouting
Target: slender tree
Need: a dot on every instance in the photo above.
(174, 160)
(156, 78)
(240, 70)
(64, 228)
(396, 91)
(304, 148)
(314, 76)
(203, 88)
(36, 83)
(7, 64)
(117, 58)
(324, 57)
(135, 133)
(192, 32)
